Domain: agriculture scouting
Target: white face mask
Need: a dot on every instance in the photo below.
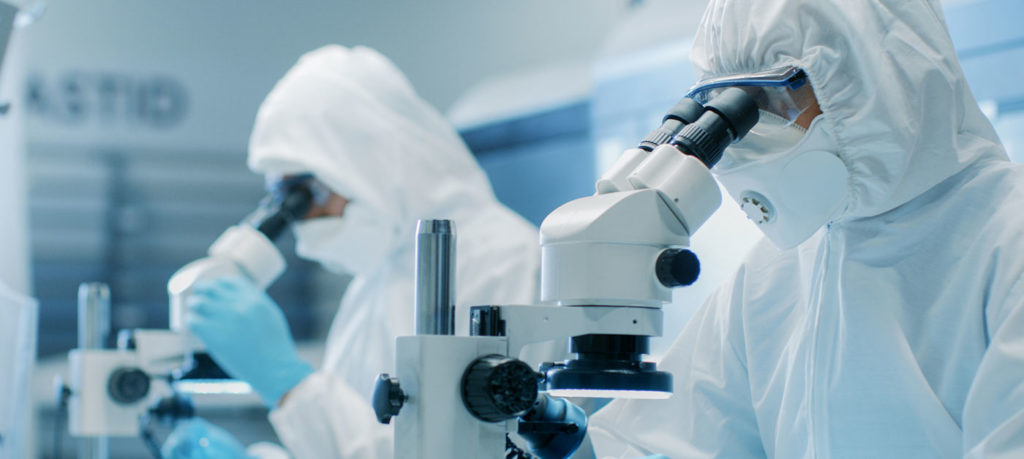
(792, 193)
(356, 243)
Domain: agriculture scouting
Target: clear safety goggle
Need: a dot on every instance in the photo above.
(784, 92)
(278, 186)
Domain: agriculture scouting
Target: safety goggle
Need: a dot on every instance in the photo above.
(785, 92)
(278, 186)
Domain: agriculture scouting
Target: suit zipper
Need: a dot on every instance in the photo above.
(814, 301)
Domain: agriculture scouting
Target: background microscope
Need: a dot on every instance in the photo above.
(116, 392)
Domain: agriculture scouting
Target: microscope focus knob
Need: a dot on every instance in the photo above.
(128, 385)
(677, 268)
(388, 398)
(497, 388)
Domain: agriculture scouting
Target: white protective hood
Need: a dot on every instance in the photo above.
(898, 329)
(350, 118)
(885, 74)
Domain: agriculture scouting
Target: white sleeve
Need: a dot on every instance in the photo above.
(323, 417)
(993, 422)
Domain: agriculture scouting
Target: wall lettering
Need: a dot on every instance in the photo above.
(107, 99)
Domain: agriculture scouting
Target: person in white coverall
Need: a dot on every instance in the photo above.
(884, 315)
(352, 120)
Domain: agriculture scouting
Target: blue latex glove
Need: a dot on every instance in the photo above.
(247, 335)
(198, 439)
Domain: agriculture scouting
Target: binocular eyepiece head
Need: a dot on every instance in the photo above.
(703, 131)
(279, 209)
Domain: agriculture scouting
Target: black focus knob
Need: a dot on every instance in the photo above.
(497, 388)
(128, 385)
(388, 398)
(677, 268)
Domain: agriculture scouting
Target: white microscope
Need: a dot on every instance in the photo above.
(608, 264)
(111, 392)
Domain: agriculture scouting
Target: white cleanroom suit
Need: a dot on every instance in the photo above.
(897, 329)
(350, 118)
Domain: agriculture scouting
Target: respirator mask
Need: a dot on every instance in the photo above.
(789, 180)
(357, 242)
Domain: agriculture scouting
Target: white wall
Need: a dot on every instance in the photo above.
(13, 218)
(227, 55)
(88, 60)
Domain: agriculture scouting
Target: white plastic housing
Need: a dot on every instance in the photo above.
(615, 178)
(91, 411)
(686, 184)
(256, 255)
(601, 250)
(240, 251)
(434, 423)
(159, 352)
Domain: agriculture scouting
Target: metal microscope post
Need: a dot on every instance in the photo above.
(435, 277)
(93, 330)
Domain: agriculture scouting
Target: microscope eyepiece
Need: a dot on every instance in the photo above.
(279, 212)
(287, 201)
(737, 108)
(684, 112)
(726, 118)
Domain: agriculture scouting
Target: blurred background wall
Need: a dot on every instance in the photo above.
(137, 117)
(130, 122)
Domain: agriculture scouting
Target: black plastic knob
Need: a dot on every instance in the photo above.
(677, 268)
(388, 398)
(128, 385)
(497, 388)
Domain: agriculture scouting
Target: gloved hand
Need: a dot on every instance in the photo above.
(247, 335)
(198, 439)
